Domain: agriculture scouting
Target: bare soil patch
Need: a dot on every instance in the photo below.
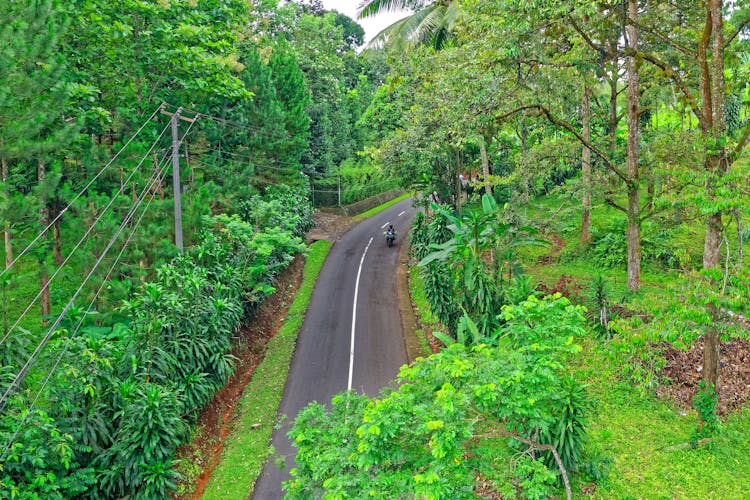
(329, 226)
(215, 420)
(683, 373)
(557, 245)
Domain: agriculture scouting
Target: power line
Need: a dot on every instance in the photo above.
(253, 162)
(22, 373)
(80, 241)
(260, 181)
(80, 193)
(157, 180)
(223, 121)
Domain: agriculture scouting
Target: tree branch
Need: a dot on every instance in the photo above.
(675, 76)
(613, 204)
(502, 432)
(585, 36)
(570, 128)
(664, 38)
(740, 145)
(739, 29)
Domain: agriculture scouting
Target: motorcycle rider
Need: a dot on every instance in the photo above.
(390, 233)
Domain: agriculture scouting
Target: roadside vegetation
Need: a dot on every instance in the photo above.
(117, 325)
(380, 208)
(584, 220)
(582, 172)
(248, 444)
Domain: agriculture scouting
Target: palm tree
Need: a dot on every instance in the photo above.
(431, 23)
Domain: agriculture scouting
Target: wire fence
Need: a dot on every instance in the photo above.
(329, 195)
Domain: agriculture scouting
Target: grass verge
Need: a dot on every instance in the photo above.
(647, 439)
(380, 208)
(247, 446)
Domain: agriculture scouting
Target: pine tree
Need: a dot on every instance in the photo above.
(264, 113)
(32, 94)
(294, 99)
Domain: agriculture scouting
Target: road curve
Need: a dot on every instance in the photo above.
(322, 359)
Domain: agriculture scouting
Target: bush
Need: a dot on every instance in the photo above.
(124, 395)
(609, 246)
(568, 433)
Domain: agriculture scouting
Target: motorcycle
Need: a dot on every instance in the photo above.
(390, 237)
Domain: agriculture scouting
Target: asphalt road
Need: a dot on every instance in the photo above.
(322, 365)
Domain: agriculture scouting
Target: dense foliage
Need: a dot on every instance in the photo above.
(112, 339)
(463, 419)
(616, 131)
(124, 393)
(473, 271)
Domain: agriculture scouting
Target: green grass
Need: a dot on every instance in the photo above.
(247, 446)
(380, 208)
(646, 439)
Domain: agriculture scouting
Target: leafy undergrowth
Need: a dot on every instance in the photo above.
(203, 453)
(247, 446)
(644, 424)
(427, 320)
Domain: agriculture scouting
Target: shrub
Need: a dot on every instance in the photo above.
(42, 461)
(568, 433)
(436, 434)
(124, 394)
(609, 246)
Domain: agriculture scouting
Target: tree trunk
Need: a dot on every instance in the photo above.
(634, 241)
(634, 222)
(485, 166)
(712, 246)
(586, 168)
(711, 352)
(714, 127)
(613, 110)
(713, 95)
(738, 219)
(57, 245)
(45, 302)
(8, 236)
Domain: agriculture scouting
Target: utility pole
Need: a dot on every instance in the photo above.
(176, 117)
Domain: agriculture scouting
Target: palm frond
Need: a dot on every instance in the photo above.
(369, 8)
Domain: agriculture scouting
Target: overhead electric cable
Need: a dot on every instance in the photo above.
(223, 121)
(22, 373)
(80, 241)
(157, 180)
(19, 377)
(77, 196)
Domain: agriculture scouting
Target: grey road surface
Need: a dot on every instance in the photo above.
(322, 360)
